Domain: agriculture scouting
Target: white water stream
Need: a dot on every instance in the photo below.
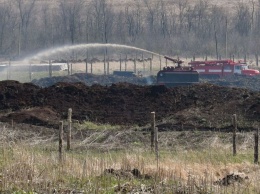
(53, 51)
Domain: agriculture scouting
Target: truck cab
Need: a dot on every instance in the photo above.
(243, 69)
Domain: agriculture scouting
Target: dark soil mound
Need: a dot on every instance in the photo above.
(249, 82)
(14, 95)
(36, 116)
(125, 103)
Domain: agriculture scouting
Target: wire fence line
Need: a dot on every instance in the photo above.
(19, 71)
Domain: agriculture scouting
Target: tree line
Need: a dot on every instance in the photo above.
(174, 27)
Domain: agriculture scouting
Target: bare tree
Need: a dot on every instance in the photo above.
(130, 22)
(121, 27)
(107, 20)
(257, 19)
(182, 9)
(103, 16)
(190, 18)
(199, 28)
(45, 37)
(7, 24)
(163, 19)
(25, 10)
(203, 20)
(71, 12)
(134, 21)
(242, 19)
(152, 14)
(218, 19)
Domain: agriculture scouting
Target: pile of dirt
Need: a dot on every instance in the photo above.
(230, 179)
(43, 116)
(126, 103)
(135, 173)
(249, 82)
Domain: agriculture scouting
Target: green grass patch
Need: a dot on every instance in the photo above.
(96, 126)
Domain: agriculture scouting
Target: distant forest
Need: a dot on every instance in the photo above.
(177, 28)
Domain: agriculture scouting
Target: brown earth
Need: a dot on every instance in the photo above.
(199, 106)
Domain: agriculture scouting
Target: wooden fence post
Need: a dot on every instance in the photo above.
(120, 61)
(69, 128)
(143, 63)
(160, 62)
(256, 146)
(152, 130)
(91, 67)
(50, 68)
(135, 65)
(156, 146)
(125, 62)
(30, 72)
(256, 59)
(9, 70)
(68, 65)
(86, 65)
(60, 140)
(104, 63)
(108, 65)
(151, 64)
(87, 62)
(234, 134)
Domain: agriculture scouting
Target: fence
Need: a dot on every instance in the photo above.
(148, 64)
(22, 72)
(154, 137)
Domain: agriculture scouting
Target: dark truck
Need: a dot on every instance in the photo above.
(177, 76)
(124, 73)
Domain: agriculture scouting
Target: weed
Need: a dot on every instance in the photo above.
(191, 167)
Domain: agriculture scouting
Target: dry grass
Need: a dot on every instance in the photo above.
(189, 161)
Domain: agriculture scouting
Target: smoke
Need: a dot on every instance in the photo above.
(150, 80)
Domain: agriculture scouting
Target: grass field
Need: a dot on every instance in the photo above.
(189, 161)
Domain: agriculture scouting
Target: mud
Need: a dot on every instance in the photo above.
(201, 105)
(231, 179)
(249, 82)
(135, 173)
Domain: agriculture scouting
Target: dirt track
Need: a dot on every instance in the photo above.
(203, 105)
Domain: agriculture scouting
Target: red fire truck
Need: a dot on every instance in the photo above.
(220, 68)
